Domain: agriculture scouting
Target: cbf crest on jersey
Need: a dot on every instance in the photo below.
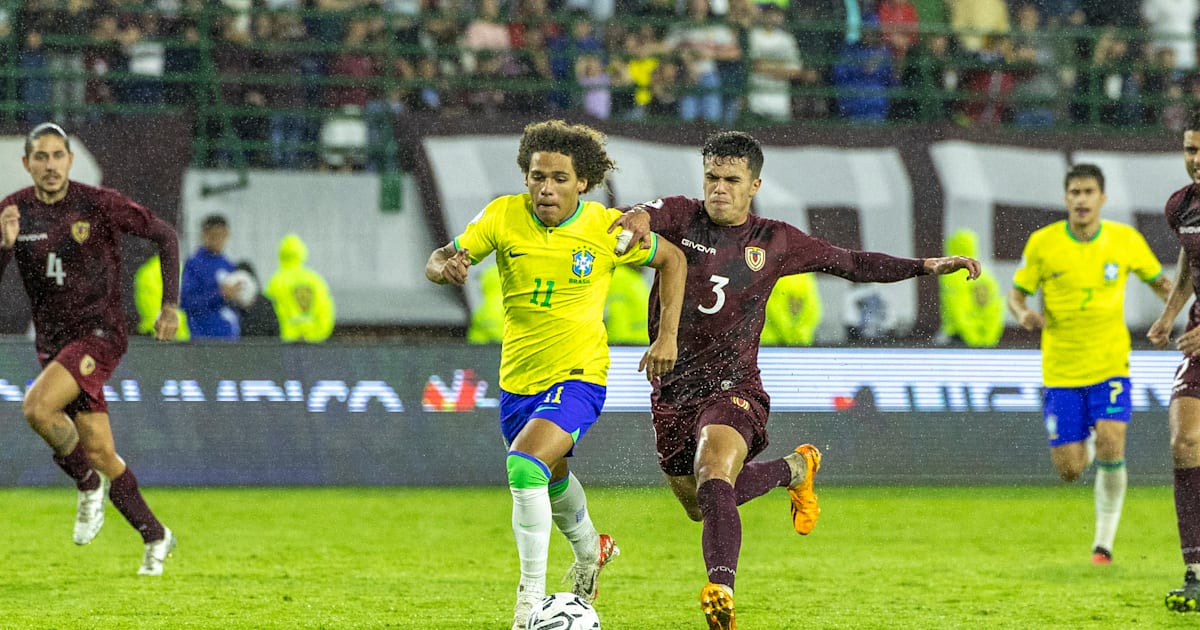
(582, 261)
(1111, 269)
(756, 257)
(80, 230)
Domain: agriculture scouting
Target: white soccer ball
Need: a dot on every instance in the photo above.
(563, 611)
(247, 288)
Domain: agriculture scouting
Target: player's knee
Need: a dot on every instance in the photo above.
(694, 513)
(36, 410)
(1185, 448)
(526, 471)
(1070, 473)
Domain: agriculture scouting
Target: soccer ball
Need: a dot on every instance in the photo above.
(563, 611)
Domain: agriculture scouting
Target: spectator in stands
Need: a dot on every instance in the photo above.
(147, 298)
(102, 56)
(183, 58)
(665, 90)
(633, 68)
(36, 87)
(147, 58)
(900, 24)
(989, 84)
(700, 42)
(530, 66)
(256, 312)
(775, 66)
(593, 79)
(863, 75)
(742, 16)
(344, 131)
(1123, 15)
(1116, 81)
(205, 295)
(928, 79)
(1172, 23)
(627, 307)
(301, 296)
(288, 127)
(972, 20)
(1035, 64)
(487, 318)
(972, 312)
(580, 39)
(793, 312)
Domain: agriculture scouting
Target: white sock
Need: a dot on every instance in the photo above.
(531, 522)
(572, 519)
(1111, 479)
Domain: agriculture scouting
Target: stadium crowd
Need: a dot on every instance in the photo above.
(281, 77)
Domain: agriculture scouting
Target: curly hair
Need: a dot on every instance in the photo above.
(736, 145)
(584, 145)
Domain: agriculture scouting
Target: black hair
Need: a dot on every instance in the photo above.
(45, 129)
(737, 145)
(1080, 171)
(214, 220)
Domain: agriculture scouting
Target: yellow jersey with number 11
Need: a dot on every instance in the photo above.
(554, 281)
(1086, 340)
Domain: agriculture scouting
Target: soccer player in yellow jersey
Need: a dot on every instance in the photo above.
(556, 260)
(1081, 265)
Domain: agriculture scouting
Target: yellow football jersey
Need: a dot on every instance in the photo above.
(1086, 340)
(555, 281)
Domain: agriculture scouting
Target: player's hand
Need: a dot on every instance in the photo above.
(950, 264)
(1031, 320)
(10, 226)
(659, 360)
(454, 270)
(167, 323)
(1189, 343)
(635, 222)
(1160, 333)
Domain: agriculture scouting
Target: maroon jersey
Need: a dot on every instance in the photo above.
(69, 257)
(731, 272)
(1183, 215)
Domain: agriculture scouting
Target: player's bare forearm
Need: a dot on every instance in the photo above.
(1181, 290)
(950, 264)
(1027, 318)
(447, 265)
(672, 276)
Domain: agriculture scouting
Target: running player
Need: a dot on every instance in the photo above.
(66, 239)
(1081, 265)
(556, 260)
(710, 413)
(1183, 215)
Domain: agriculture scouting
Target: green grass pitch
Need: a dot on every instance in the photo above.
(993, 557)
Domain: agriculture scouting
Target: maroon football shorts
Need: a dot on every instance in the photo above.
(677, 430)
(90, 360)
(1187, 379)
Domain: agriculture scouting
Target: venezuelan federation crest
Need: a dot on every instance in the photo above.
(582, 262)
(80, 230)
(87, 365)
(756, 257)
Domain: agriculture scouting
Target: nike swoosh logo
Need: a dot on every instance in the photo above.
(526, 526)
(544, 407)
(1114, 410)
(515, 255)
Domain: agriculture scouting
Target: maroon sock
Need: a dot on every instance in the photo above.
(77, 467)
(129, 502)
(758, 478)
(1187, 512)
(722, 537)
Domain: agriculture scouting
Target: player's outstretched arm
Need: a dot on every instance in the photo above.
(10, 226)
(1027, 317)
(672, 276)
(448, 265)
(949, 264)
(1160, 331)
(636, 223)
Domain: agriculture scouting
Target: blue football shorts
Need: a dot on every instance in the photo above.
(573, 406)
(1070, 412)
